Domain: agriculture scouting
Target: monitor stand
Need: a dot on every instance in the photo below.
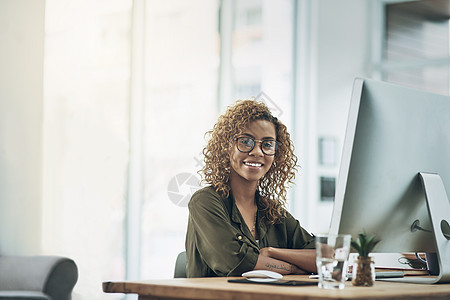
(439, 210)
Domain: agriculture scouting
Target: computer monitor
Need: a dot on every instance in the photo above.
(395, 171)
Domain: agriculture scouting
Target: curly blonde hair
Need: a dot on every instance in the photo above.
(216, 171)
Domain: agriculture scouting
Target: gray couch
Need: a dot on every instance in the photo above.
(37, 277)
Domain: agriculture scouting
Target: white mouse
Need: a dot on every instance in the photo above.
(262, 275)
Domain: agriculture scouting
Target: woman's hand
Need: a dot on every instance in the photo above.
(266, 251)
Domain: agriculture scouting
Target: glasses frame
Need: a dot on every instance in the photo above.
(277, 145)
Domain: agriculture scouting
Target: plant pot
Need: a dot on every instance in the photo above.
(363, 273)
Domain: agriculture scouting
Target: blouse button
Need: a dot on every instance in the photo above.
(239, 237)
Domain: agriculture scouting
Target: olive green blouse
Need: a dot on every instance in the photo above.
(219, 243)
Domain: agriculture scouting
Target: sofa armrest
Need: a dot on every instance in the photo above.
(53, 275)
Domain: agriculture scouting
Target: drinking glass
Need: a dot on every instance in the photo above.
(332, 259)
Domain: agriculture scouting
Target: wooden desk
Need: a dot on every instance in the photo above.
(219, 288)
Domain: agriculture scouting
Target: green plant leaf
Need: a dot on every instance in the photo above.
(364, 244)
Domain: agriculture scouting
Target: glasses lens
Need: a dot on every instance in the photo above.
(245, 144)
(269, 147)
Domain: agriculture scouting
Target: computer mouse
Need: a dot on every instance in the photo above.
(262, 275)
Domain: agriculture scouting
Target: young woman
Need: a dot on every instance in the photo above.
(238, 223)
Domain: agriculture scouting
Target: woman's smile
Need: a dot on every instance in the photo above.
(253, 164)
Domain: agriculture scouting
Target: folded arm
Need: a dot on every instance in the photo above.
(303, 260)
(279, 266)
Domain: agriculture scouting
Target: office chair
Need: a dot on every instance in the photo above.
(180, 266)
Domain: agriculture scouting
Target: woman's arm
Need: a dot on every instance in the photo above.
(279, 266)
(304, 259)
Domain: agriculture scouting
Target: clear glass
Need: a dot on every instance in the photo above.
(332, 260)
(363, 271)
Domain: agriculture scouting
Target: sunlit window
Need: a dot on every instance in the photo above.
(262, 54)
(86, 122)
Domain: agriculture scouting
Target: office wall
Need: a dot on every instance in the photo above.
(21, 78)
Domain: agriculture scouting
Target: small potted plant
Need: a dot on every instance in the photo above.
(363, 273)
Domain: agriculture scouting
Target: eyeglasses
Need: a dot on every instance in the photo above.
(246, 144)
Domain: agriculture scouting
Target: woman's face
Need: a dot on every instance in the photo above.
(252, 166)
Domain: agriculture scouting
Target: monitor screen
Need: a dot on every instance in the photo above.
(393, 133)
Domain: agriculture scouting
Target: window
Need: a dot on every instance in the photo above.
(85, 144)
(262, 53)
(181, 65)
